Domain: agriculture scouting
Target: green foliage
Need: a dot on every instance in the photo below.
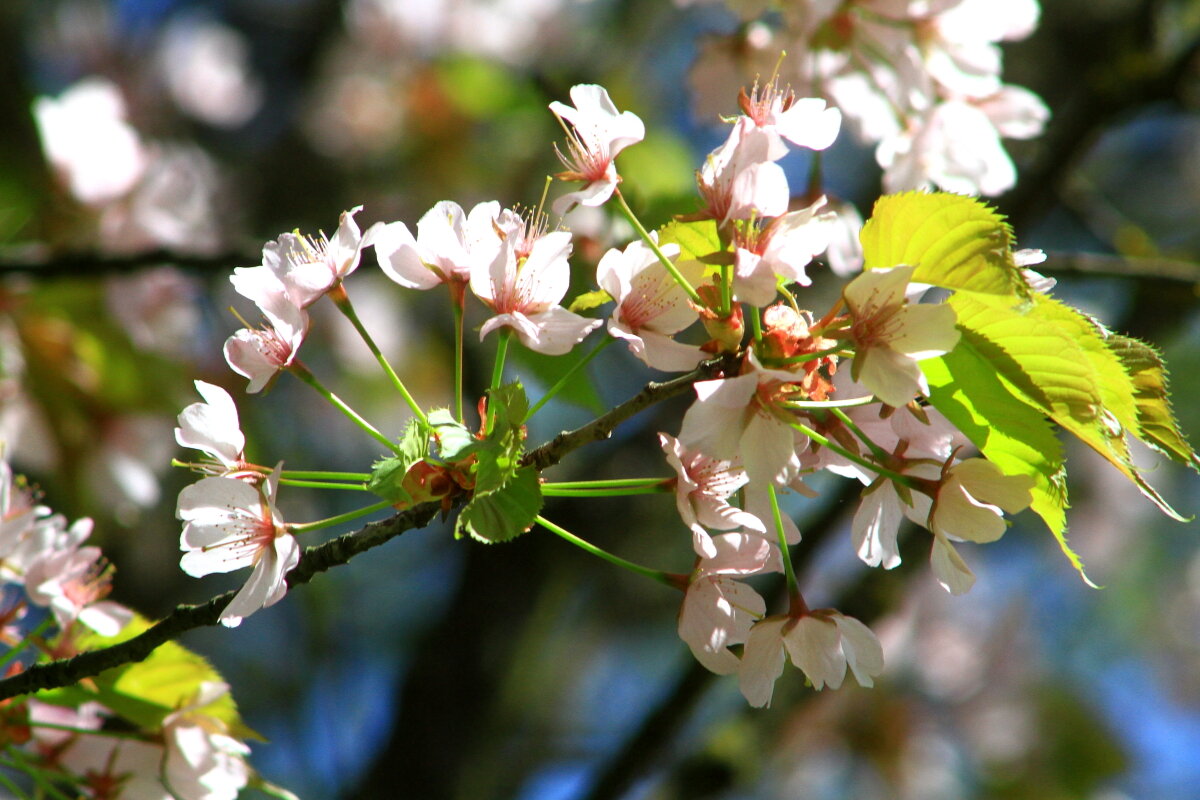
(589, 300)
(1024, 357)
(698, 240)
(387, 474)
(955, 242)
(505, 512)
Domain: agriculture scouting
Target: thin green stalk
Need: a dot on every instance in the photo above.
(301, 372)
(27, 640)
(875, 449)
(342, 301)
(20, 761)
(304, 527)
(562, 382)
(501, 356)
(312, 474)
(755, 325)
(788, 570)
(550, 490)
(646, 572)
(813, 356)
(12, 788)
(612, 483)
(898, 477)
(726, 289)
(627, 212)
(356, 487)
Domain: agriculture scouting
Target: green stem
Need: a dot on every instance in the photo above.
(41, 628)
(614, 483)
(875, 449)
(302, 474)
(356, 487)
(342, 301)
(755, 324)
(340, 518)
(800, 359)
(302, 372)
(562, 382)
(646, 572)
(898, 477)
(788, 570)
(726, 289)
(501, 356)
(551, 490)
(627, 212)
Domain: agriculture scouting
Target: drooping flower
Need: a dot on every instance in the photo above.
(651, 306)
(202, 761)
(597, 133)
(213, 427)
(524, 284)
(822, 644)
(718, 610)
(229, 524)
(891, 335)
(702, 489)
(260, 353)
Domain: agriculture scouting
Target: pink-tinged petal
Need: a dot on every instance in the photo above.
(927, 330)
(960, 515)
(762, 661)
(556, 331)
(716, 613)
(863, 653)
(876, 524)
(948, 567)
(893, 377)
(106, 617)
(267, 584)
(769, 450)
(754, 281)
(245, 356)
(401, 259)
(658, 350)
(815, 646)
(984, 480)
(759, 190)
(739, 554)
(545, 276)
(808, 123)
(595, 193)
(212, 426)
(714, 423)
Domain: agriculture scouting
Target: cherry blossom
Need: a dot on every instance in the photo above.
(260, 353)
(891, 335)
(739, 180)
(805, 122)
(524, 284)
(597, 134)
(718, 610)
(702, 489)
(822, 644)
(744, 417)
(309, 267)
(213, 427)
(651, 306)
(73, 581)
(447, 243)
(780, 249)
(202, 761)
(229, 524)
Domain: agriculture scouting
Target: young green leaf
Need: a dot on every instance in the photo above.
(1156, 422)
(955, 242)
(505, 513)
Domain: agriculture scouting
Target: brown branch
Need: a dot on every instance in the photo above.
(184, 618)
(335, 552)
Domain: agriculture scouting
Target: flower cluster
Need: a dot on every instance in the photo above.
(191, 753)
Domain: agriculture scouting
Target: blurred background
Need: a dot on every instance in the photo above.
(435, 668)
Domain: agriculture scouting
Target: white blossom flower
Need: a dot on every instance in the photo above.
(202, 761)
(213, 427)
(309, 267)
(229, 524)
(740, 179)
(718, 610)
(702, 489)
(805, 122)
(524, 284)
(598, 132)
(780, 249)
(822, 644)
(651, 306)
(891, 335)
(73, 582)
(260, 353)
(447, 244)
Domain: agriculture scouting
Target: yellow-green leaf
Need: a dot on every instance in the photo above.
(1156, 422)
(955, 242)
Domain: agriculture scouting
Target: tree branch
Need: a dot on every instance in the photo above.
(319, 558)
(39, 261)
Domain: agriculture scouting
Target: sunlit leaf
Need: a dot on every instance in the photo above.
(955, 242)
(1156, 422)
(505, 513)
